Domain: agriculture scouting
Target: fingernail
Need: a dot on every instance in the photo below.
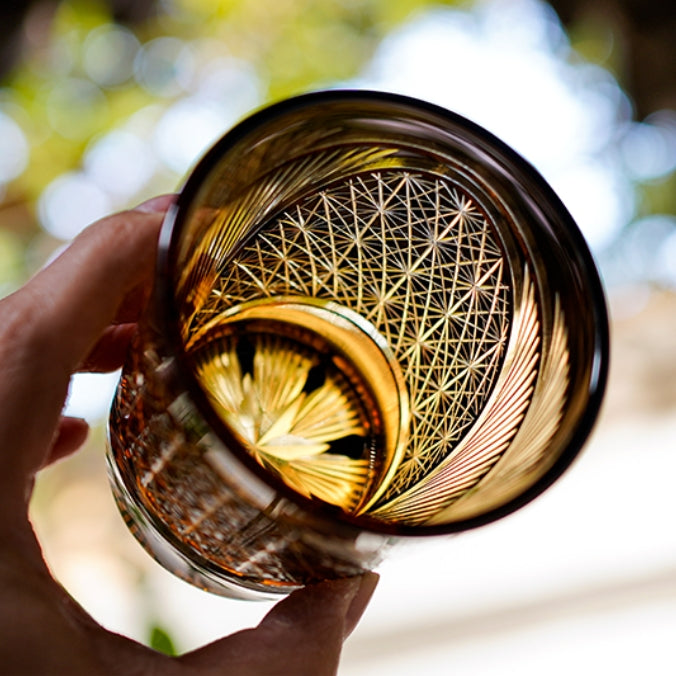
(156, 205)
(367, 585)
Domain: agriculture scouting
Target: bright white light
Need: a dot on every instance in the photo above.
(70, 203)
(187, 129)
(232, 83)
(109, 53)
(649, 148)
(599, 199)
(121, 163)
(164, 66)
(504, 66)
(224, 91)
(90, 395)
(667, 259)
(14, 153)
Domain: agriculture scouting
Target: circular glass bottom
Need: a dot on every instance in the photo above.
(312, 392)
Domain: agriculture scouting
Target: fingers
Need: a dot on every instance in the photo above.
(110, 350)
(60, 319)
(302, 635)
(347, 598)
(159, 204)
(84, 289)
(70, 435)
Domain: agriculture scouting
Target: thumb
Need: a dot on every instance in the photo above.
(302, 635)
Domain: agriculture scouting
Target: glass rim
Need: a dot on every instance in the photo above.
(520, 174)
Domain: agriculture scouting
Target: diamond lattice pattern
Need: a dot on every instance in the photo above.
(417, 257)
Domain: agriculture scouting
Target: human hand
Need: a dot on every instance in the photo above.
(78, 314)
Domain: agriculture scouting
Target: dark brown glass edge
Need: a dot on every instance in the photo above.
(537, 195)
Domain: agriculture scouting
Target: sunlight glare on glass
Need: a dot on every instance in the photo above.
(506, 65)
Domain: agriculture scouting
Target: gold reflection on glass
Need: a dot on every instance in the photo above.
(452, 395)
(311, 391)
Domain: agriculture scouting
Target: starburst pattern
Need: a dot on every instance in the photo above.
(488, 439)
(417, 257)
(528, 454)
(286, 425)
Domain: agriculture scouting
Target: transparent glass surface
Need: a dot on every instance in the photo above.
(372, 320)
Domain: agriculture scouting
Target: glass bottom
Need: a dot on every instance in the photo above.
(203, 515)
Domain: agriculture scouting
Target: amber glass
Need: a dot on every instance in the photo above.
(371, 320)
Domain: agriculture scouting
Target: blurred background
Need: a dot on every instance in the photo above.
(106, 103)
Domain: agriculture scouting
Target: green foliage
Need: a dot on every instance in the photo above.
(293, 45)
(161, 641)
(10, 261)
(64, 96)
(658, 196)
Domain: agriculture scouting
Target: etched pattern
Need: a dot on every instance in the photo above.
(288, 430)
(415, 256)
(488, 439)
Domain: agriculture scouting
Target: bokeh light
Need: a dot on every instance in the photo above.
(666, 260)
(109, 52)
(70, 203)
(506, 64)
(649, 148)
(645, 253)
(75, 108)
(120, 163)
(164, 66)
(15, 149)
(186, 130)
(507, 67)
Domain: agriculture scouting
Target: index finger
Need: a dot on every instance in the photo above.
(302, 635)
(50, 325)
(80, 293)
